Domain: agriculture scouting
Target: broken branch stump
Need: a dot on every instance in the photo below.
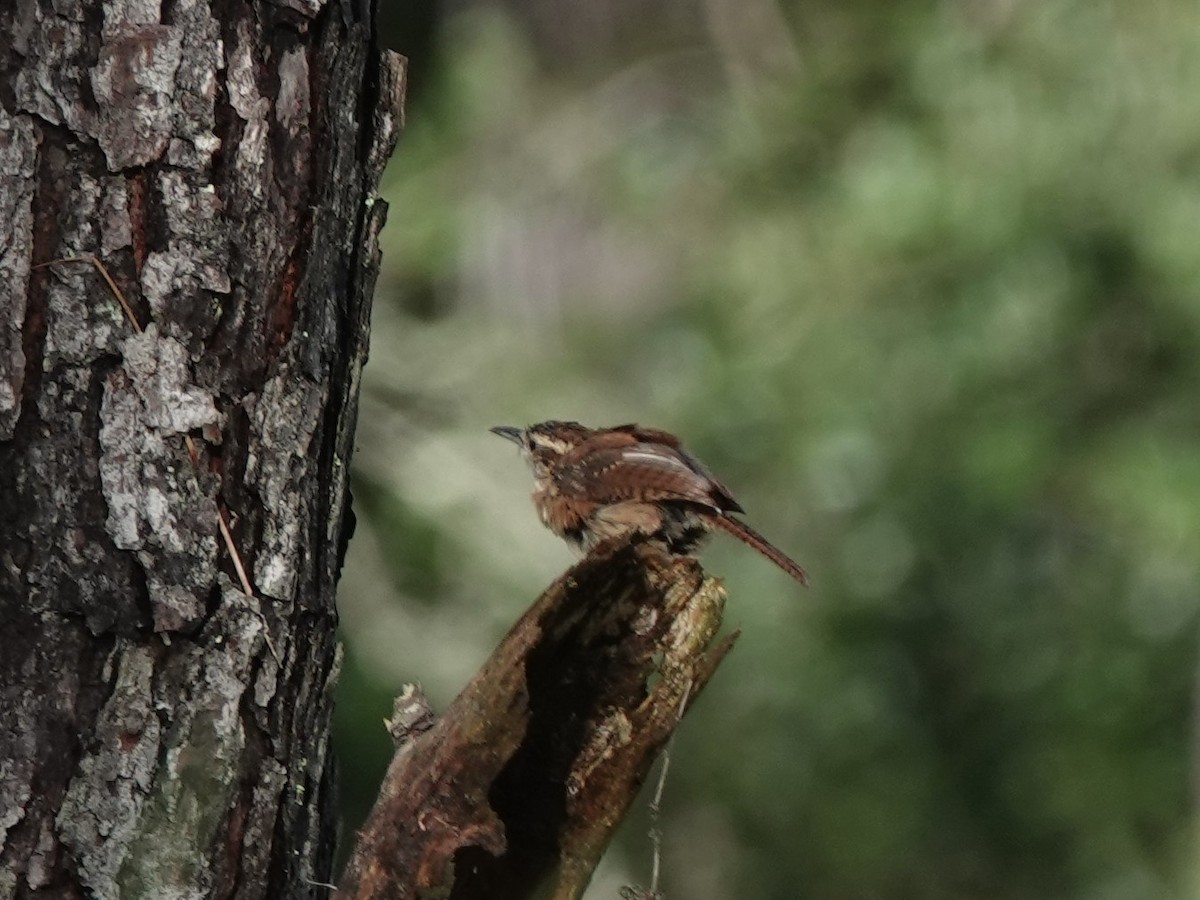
(517, 789)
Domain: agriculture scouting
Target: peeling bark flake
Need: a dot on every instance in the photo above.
(309, 9)
(285, 417)
(292, 104)
(134, 85)
(251, 106)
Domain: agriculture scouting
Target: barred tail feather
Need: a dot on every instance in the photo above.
(752, 538)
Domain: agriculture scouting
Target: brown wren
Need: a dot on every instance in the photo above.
(596, 484)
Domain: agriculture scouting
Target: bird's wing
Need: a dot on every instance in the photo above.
(721, 495)
(624, 468)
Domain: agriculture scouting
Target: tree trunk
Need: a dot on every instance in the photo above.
(164, 732)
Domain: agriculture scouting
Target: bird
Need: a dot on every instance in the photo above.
(593, 485)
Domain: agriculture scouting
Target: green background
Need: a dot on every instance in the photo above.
(921, 283)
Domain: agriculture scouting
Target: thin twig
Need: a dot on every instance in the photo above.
(112, 285)
(655, 804)
(320, 884)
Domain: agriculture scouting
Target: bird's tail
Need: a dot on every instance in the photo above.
(752, 538)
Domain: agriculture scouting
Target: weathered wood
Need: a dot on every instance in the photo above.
(164, 732)
(516, 790)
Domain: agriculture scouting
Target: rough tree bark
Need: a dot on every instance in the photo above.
(164, 732)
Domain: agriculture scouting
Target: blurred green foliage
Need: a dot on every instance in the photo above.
(921, 281)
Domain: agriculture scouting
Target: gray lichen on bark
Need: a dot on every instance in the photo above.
(83, 320)
(158, 503)
(182, 281)
(154, 84)
(128, 736)
(18, 163)
(152, 797)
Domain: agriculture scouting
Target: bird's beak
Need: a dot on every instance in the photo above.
(516, 435)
